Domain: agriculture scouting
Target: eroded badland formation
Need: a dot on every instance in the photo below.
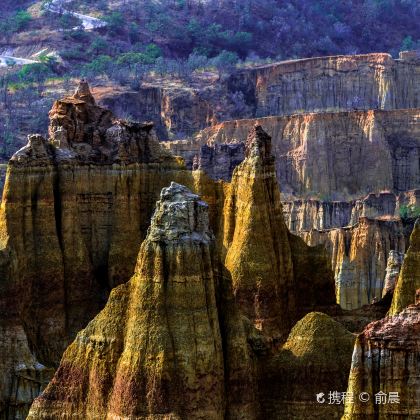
(232, 275)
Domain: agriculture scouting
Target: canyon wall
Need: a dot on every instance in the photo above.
(75, 210)
(335, 171)
(359, 257)
(321, 84)
(385, 365)
(409, 280)
(369, 81)
(339, 155)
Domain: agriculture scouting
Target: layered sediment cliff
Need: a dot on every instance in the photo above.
(369, 81)
(359, 256)
(385, 365)
(334, 169)
(320, 84)
(339, 155)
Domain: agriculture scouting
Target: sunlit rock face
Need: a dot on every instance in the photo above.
(386, 360)
(369, 81)
(409, 279)
(75, 209)
(276, 277)
(338, 155)
(169, 343)
(359, 256)
(345, 178)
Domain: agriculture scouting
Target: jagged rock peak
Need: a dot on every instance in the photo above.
(83, 92)
(180, 215)
(258, 143)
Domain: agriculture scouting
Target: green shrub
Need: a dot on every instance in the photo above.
(409, 211)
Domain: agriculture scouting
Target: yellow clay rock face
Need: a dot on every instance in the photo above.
(157, 350)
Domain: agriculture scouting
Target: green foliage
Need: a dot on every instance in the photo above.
(100, 65)
(408, 211)
(408, 44)
(21, 19)
(115, 22)
(34, 73)
(99, 46)
(15, 23)
(68, 21)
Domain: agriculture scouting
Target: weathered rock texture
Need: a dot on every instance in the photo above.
(337, 155)
(393, 268)
(334, 169)
(409, 279)
(315, 358)
(359, 256)
(306, 214)
(160, 348)
(75, 209)
(320, 84)
(175, 110)
(370, 81)
(386, 359)
(271, 271)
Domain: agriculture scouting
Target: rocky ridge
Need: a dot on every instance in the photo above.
(340, 174)
(385, 363)
(158, 342)
(76, 208)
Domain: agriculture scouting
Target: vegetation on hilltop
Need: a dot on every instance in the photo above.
(178, 37)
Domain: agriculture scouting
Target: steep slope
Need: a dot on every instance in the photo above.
(409, 278)
(74, 211)
(315, 358)
(385, 360)
(359, 256)
(369, 81)
(339, 155)
(319, 84)
(259, 252)
(157, 349)
(345, 177)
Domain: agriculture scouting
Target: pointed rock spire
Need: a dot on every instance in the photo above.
(161, 347)
(258, 144)
(83, 92)
(180, 215)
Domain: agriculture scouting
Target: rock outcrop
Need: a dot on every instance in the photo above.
(176, 110)
(169, 343)
(340, 155)
(306, 214)
(315, 359)
(334, 171)
(359, 256)
(409, 278)
(368, 81)
(386, 365)
(75, 209)
(393, 268)
(275, 277)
